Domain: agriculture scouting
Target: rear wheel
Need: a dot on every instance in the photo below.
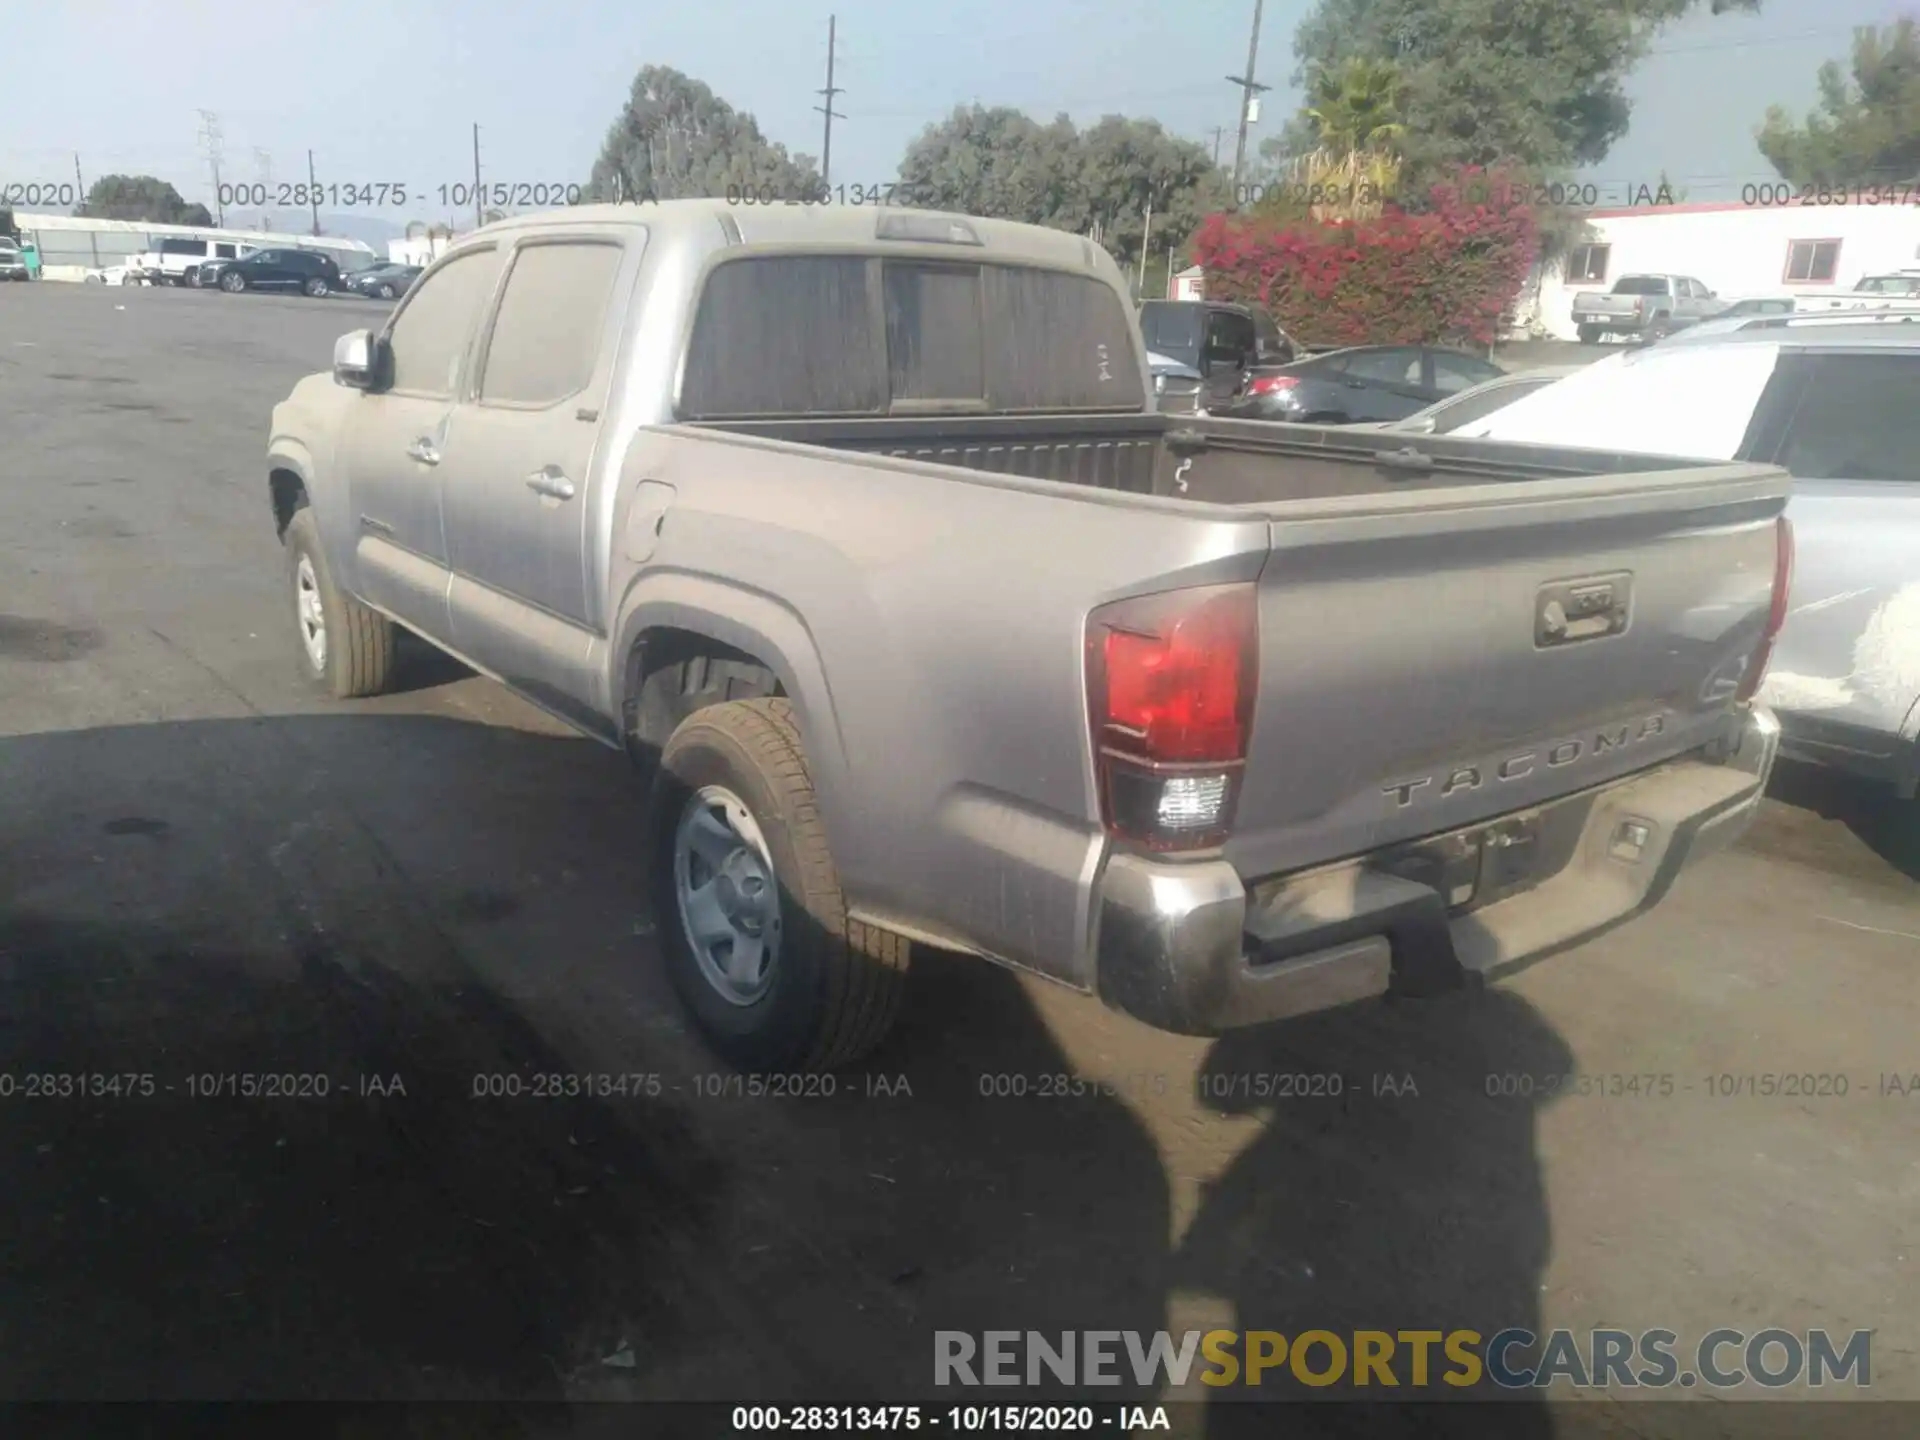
(1589, 334)
(316, 287)
(345, 648)
(747, 902)
(385, 291)
(233, 282)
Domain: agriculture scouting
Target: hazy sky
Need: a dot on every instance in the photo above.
(387, 92)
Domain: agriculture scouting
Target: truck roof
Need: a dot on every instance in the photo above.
(738, 222)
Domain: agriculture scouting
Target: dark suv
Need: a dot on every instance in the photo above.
(290, 269)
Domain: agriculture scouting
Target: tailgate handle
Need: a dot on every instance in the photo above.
(1589, 608)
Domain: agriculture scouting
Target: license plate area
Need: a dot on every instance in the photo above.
(1480, 865)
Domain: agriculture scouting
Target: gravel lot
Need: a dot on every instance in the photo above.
(206, 872)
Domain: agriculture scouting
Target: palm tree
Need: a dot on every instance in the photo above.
(1357, 106)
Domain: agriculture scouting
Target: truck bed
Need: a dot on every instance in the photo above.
(1226, 462)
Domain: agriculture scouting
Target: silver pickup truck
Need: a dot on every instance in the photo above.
(1650, 307)
(859, 531)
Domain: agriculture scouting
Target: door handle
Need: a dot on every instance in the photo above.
(424, 451)
(552, 483)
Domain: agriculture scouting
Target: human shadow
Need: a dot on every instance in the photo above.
(1411, 1199)
(401, 910)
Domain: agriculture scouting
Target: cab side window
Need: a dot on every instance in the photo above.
(429, 336)
(553, 314)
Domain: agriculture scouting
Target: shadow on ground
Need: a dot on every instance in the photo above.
(1886, 824)
(376, 899)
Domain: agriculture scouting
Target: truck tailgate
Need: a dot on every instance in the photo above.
(1431, 658)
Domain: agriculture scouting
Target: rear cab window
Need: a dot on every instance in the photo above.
(793, 336)
(1640, 285)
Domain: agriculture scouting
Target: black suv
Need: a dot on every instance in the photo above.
(292, 269)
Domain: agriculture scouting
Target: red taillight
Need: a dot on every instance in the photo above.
(1170, 684)
(1756, 670)
(1272, 384)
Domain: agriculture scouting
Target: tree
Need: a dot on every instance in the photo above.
(676, 139)
(1357, 105)
(140, 197)
(1102, 180)
(1535, 83)
(1864, 132)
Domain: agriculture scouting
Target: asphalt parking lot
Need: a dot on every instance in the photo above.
(205, 871)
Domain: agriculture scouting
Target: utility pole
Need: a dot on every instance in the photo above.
(826, 141)
(1218, 131)
(313, 193)
(80, 186)
(263, 172)
(1248, 89)
(478, 218)
(210, 137)
(1146, 239)
(1170, 272)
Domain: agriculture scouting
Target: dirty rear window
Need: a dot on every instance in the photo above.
(799, 335)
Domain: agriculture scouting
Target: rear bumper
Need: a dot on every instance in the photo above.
(1616, 324)
(1883, 757)
(1193, 949)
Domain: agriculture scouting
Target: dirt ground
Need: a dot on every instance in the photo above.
(205, 872)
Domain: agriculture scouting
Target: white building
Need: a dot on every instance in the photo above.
(1737, 251)
(1189, 284)
(72, 245)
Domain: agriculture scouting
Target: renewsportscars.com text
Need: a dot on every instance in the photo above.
(1513, 1359)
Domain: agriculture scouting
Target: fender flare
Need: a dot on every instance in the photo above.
(761, 625)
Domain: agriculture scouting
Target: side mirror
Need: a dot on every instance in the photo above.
(353, 360)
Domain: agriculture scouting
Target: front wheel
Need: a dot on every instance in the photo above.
(747, 901)
(345, 648)
(385, 292)
(316, 287)
(233, 284)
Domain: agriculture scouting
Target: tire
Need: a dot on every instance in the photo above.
(233, 282)
(355, 656)
(831, 988)
(316, 287)
(1589, 334)
(385, 292)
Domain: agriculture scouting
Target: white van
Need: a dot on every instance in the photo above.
(177, 259)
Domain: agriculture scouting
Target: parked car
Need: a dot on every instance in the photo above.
(1896, 287)
(1643, 306)
(383, 282)
(855, 531)
(1830, 398)
(1363, 382)
(108, 275)
(1221, 342)
(306, 271)
(1482, 400)
(13, 262)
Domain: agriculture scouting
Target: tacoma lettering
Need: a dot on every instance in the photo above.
(1518, 767)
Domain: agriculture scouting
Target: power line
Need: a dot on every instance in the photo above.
(826, 142)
